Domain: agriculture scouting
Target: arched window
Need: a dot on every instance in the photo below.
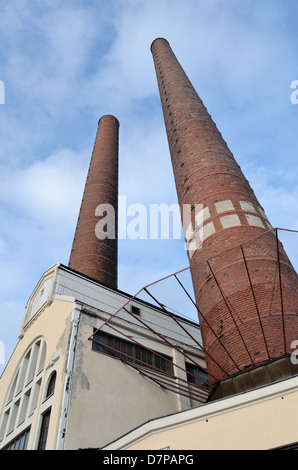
(23, 394)
(51, 385)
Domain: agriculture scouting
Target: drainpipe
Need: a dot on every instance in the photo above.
(75, 319)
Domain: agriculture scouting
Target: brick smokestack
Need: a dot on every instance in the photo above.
(92, 254)
(244, 284)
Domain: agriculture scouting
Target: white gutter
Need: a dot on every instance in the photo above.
(75, 319)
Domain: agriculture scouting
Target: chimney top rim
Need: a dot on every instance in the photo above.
(159, 39)
(109, 116)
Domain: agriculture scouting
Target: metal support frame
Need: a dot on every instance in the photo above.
(172, 382)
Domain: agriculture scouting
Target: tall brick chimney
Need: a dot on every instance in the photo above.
(245, 287)
(92, 254)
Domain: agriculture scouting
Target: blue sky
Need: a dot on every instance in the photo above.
(65, 64)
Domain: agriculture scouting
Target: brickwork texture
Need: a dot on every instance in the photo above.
(93, 255)
(245, 287)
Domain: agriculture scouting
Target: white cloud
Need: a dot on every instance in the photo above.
(48, 53)
(145, 166)
(47, 191)
(39, 207)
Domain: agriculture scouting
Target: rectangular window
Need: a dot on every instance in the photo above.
(197, 376)
(44, 430)
(135, 310)
(130, 352)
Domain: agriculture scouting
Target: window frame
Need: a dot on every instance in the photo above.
(44, 429)
(196, 375)
(131, 352)
(50, 389)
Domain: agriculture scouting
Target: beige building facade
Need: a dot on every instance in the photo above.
(64, 389)
(262, 419)
(87, 374)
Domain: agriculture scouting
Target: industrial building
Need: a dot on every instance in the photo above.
(99, 368)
